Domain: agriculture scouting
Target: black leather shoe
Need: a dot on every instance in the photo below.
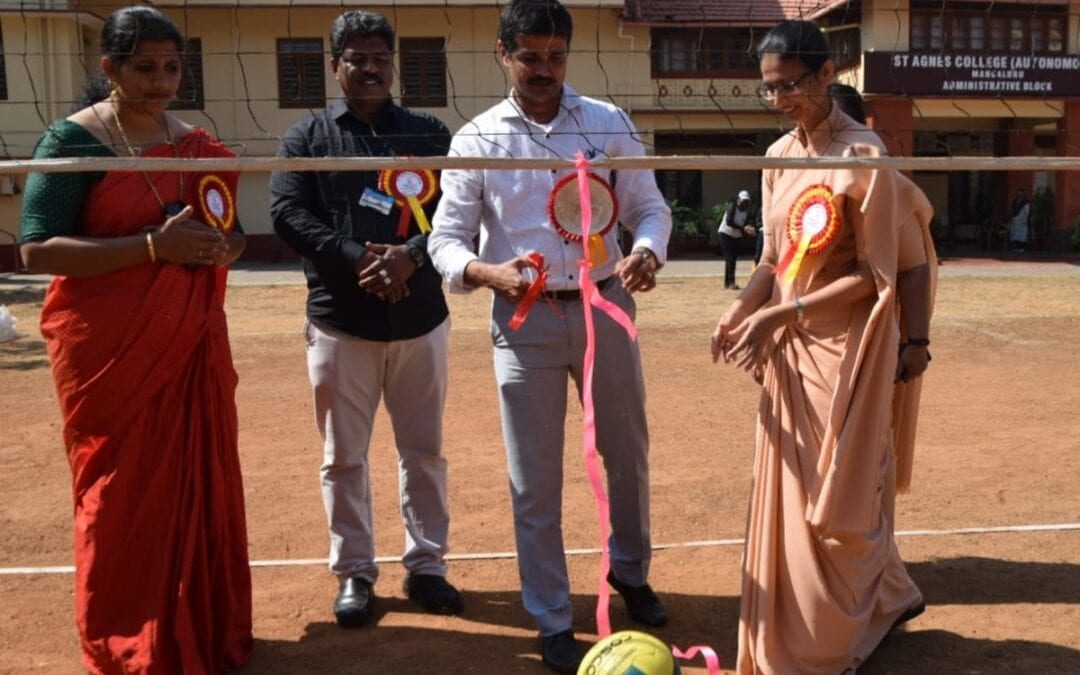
(641, 602)
(561, 652)
(433, 593)
(353, 605)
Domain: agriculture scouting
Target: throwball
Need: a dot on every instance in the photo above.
(629, 652)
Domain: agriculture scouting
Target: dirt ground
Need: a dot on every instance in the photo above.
(998, 445)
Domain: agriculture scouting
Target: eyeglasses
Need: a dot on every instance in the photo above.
(766, 90)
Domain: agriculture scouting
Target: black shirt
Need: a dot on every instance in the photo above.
(320, 215)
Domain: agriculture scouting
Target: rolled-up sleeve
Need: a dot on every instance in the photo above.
(642, 208)
(457, 220)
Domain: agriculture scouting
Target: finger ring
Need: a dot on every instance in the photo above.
(383, 274)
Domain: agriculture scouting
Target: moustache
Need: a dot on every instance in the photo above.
(541, 81)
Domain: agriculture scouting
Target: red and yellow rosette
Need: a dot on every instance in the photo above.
(216, 201)
(564, 211)
(813, 223)
(414, 188)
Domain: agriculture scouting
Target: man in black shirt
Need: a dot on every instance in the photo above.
(377, 322)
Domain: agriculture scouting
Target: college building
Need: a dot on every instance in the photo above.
(940, 78)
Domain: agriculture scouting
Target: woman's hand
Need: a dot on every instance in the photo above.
(752, 338)
(183, 240)
(912, 362)
(722, 340)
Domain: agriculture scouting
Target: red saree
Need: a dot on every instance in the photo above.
(146, 386)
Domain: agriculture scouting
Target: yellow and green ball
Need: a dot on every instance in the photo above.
(629, 652)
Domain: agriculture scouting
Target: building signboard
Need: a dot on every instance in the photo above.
(976, 75)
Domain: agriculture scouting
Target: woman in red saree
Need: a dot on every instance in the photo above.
(135, 326)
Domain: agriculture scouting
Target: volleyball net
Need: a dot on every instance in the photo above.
(960, 91)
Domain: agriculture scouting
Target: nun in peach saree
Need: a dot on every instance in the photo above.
(819, 326)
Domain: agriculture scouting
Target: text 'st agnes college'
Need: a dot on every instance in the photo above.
(991, 73)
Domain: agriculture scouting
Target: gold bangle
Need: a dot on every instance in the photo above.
(150, 245)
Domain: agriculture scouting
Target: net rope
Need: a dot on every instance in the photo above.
(700, 65)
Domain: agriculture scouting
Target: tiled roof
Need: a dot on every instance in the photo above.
(745, 12)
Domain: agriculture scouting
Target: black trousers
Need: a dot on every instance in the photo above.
(730, 246)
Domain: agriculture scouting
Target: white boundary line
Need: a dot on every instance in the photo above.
(508, 555)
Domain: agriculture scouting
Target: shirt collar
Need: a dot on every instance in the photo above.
(340, 108)
(509, 109)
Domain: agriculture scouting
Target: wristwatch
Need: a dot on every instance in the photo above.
(646, 254)
(417, 254)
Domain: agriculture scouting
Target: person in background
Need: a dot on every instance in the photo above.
(850, 101)
(135, 326)
(377, 322)
(1018, 224)
(738, 221)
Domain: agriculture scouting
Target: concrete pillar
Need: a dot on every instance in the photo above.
(1021, 143)
(892, 118)
(1067, 187)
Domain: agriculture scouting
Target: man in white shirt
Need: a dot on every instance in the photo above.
(542, 117)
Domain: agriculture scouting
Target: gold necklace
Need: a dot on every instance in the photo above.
(171, 209)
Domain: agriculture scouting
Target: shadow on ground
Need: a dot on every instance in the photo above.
(472, 648)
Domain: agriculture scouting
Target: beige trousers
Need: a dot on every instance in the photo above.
(348, 376)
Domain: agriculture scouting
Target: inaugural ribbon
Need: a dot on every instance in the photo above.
(414, 188)
(813, 223)
(535, 289)
(216, 203)
(593, 298)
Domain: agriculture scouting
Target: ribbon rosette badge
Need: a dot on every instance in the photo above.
(564, 210)
(217, 203)
(412, 188)
(814, 221)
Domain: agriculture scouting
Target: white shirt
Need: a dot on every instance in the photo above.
(509, 208)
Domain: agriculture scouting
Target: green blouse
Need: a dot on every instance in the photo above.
(52, 202)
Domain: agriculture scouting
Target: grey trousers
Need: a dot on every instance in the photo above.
(349, 376)
(531, 370)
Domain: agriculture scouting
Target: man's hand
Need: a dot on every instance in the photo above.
(505, 278)
(386, 270)
(637, 271)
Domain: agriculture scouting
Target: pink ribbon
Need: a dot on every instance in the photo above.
(712, 661)
(591, 296)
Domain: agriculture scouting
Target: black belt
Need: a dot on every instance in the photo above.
(574, 293)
